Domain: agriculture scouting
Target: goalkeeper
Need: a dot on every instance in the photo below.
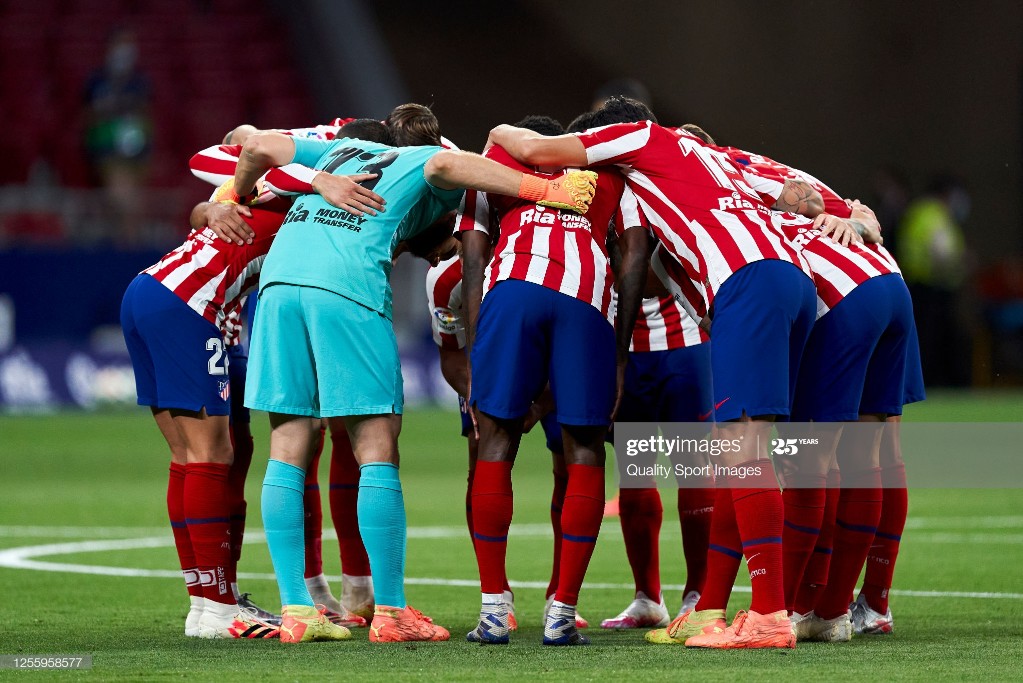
(323, 344)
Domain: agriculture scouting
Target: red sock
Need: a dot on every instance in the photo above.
(804, 513)
(641, 513)
(580, 524)
(724, 552)
(557, 503)
(207, 514)
(491, 516)
(815, 575)
(241, 441)
(695, 511)
(885, 548)
(313, 522)
(344, 504)
(859, 510)
(760, 516)
(182, 541)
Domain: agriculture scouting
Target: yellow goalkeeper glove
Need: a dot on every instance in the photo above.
(227, 193)
(573, 191)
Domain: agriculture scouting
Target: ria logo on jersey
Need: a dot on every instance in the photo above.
(735, 202)
(541, 215)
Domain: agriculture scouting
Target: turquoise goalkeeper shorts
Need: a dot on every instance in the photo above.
(318, 354)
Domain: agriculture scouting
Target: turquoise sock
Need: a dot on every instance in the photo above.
(383, 527)
(283, 522)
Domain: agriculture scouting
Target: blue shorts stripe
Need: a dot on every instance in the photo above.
(890, 537)
(312, 487)
(727, 551)
(178, 525)
(860, 528)
(822, 551)
(802, 529)
(489, 539)
(336, 487)
(555, 508)
(237, 518)
(579, 539)
(761, 541)
(207, 520)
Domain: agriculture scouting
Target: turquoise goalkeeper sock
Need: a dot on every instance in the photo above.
(383, 528)
(283, 522)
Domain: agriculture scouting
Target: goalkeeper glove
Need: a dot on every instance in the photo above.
(573, 191)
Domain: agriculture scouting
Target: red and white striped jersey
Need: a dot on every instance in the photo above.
(447, 310)
(216, 165)
(766, 168)
(699, 204)
(834, 203)
(234, 322)
(837, 270)
(213, 276)
(557, 249)
(663, 324)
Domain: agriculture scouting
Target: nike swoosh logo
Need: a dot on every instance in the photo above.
(705, 416)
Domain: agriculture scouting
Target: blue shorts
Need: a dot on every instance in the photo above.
(763, 314)
(855, 359)
(178, 356)
(668, 386)
(528, 335)
(549, 423)
(319, 354)
(238, 368)
(914, 390)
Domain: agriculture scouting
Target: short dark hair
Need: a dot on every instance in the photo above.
(544, 125)
(623, 87)
(582, 122)
(621, 110)
(413, 125)
(693, 129)
(370, 130)
(423, 243)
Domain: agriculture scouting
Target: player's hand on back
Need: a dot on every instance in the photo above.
(227, 220)
(346, 193)
(838, 229)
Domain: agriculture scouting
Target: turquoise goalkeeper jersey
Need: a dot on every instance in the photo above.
(322, 246)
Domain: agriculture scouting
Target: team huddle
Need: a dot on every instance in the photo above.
(621, 271)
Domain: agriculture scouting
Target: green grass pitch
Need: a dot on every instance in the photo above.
(77, 478)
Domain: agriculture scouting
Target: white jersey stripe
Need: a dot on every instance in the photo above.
(541, 250)
(199, 260)
(618, 146)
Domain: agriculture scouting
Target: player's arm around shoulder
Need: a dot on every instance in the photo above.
(260, 153)
(534, 149)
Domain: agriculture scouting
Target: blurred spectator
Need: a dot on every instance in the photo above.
(629, 87)
(117, 131)
(932, 255)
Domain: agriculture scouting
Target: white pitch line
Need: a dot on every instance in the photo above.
(533, 530)
(25, 558)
